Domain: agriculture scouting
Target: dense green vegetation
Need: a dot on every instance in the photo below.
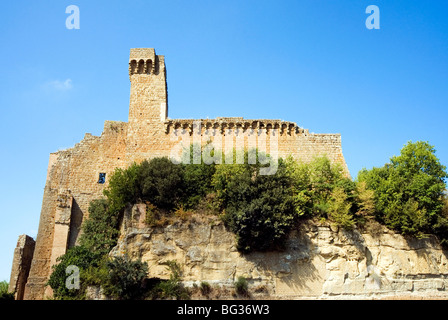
(4, 294)
(407, 195)
(241, 286)
(80, 257)
(259, 209)
(409, 192)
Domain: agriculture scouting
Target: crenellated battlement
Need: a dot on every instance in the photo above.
(144, 61)
(238, 123)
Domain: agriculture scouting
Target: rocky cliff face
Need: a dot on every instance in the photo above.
(318, 261)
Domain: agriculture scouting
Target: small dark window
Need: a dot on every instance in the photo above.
(102, 178)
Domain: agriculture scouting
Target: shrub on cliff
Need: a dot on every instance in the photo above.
(120, 277)
(100, 230)
(171, 288)
(197, 178)
(161, 182)
(80, 257)
(124, 279)
(313, 185)
(123, 188)
(322, 190)
(242, 286)
(409, 191)
(259, 209)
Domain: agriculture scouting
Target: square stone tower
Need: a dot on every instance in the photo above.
(148, 107)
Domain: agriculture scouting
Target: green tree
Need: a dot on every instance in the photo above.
(125, 278)
(365, 200)
(441, 226)
(409, 190)
(100, 230)
(259, 209)
(123, 188)
(314, 183)
(197, 179)
(4, 294)
(161, 182)
(339, 209)
(78, 256)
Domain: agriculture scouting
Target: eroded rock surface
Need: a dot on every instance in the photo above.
(319, 261)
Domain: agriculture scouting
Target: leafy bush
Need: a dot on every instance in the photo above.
(4, 294)
(441, 226)
(80, 257)
(339, 209)
(409, 191)
(154, 218)
(365, 200)
(241, 286)
(125, 278)
(171, 288)
(123, 188)
(205, 288)
(161, 182)
(259, 209)
(100, 230)
(322, 190)
(314, 183)
(197, 180)
(100, 233)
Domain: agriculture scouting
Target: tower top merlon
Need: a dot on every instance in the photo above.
(142, 53)
(144, 61)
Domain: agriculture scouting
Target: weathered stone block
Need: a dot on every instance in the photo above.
(23, 255)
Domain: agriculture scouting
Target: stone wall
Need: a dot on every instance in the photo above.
(276, 137)
(72, 182)
(23, 255)
(319, 261)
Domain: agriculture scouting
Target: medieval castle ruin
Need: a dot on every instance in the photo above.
(78, 175)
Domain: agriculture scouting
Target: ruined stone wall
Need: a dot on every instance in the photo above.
(23, 255)
(314, 144)
(275, 137)
(72, 182)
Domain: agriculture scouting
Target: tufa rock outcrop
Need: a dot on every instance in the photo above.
(318, 262)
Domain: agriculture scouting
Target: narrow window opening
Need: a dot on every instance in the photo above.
(148, 66)
(102, 178)
(141, 66)
(133, 66)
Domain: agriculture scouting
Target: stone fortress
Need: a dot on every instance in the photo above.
(78, 175)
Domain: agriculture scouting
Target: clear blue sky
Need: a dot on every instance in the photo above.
(312, 62)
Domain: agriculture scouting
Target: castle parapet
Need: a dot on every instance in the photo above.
(223, 124)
